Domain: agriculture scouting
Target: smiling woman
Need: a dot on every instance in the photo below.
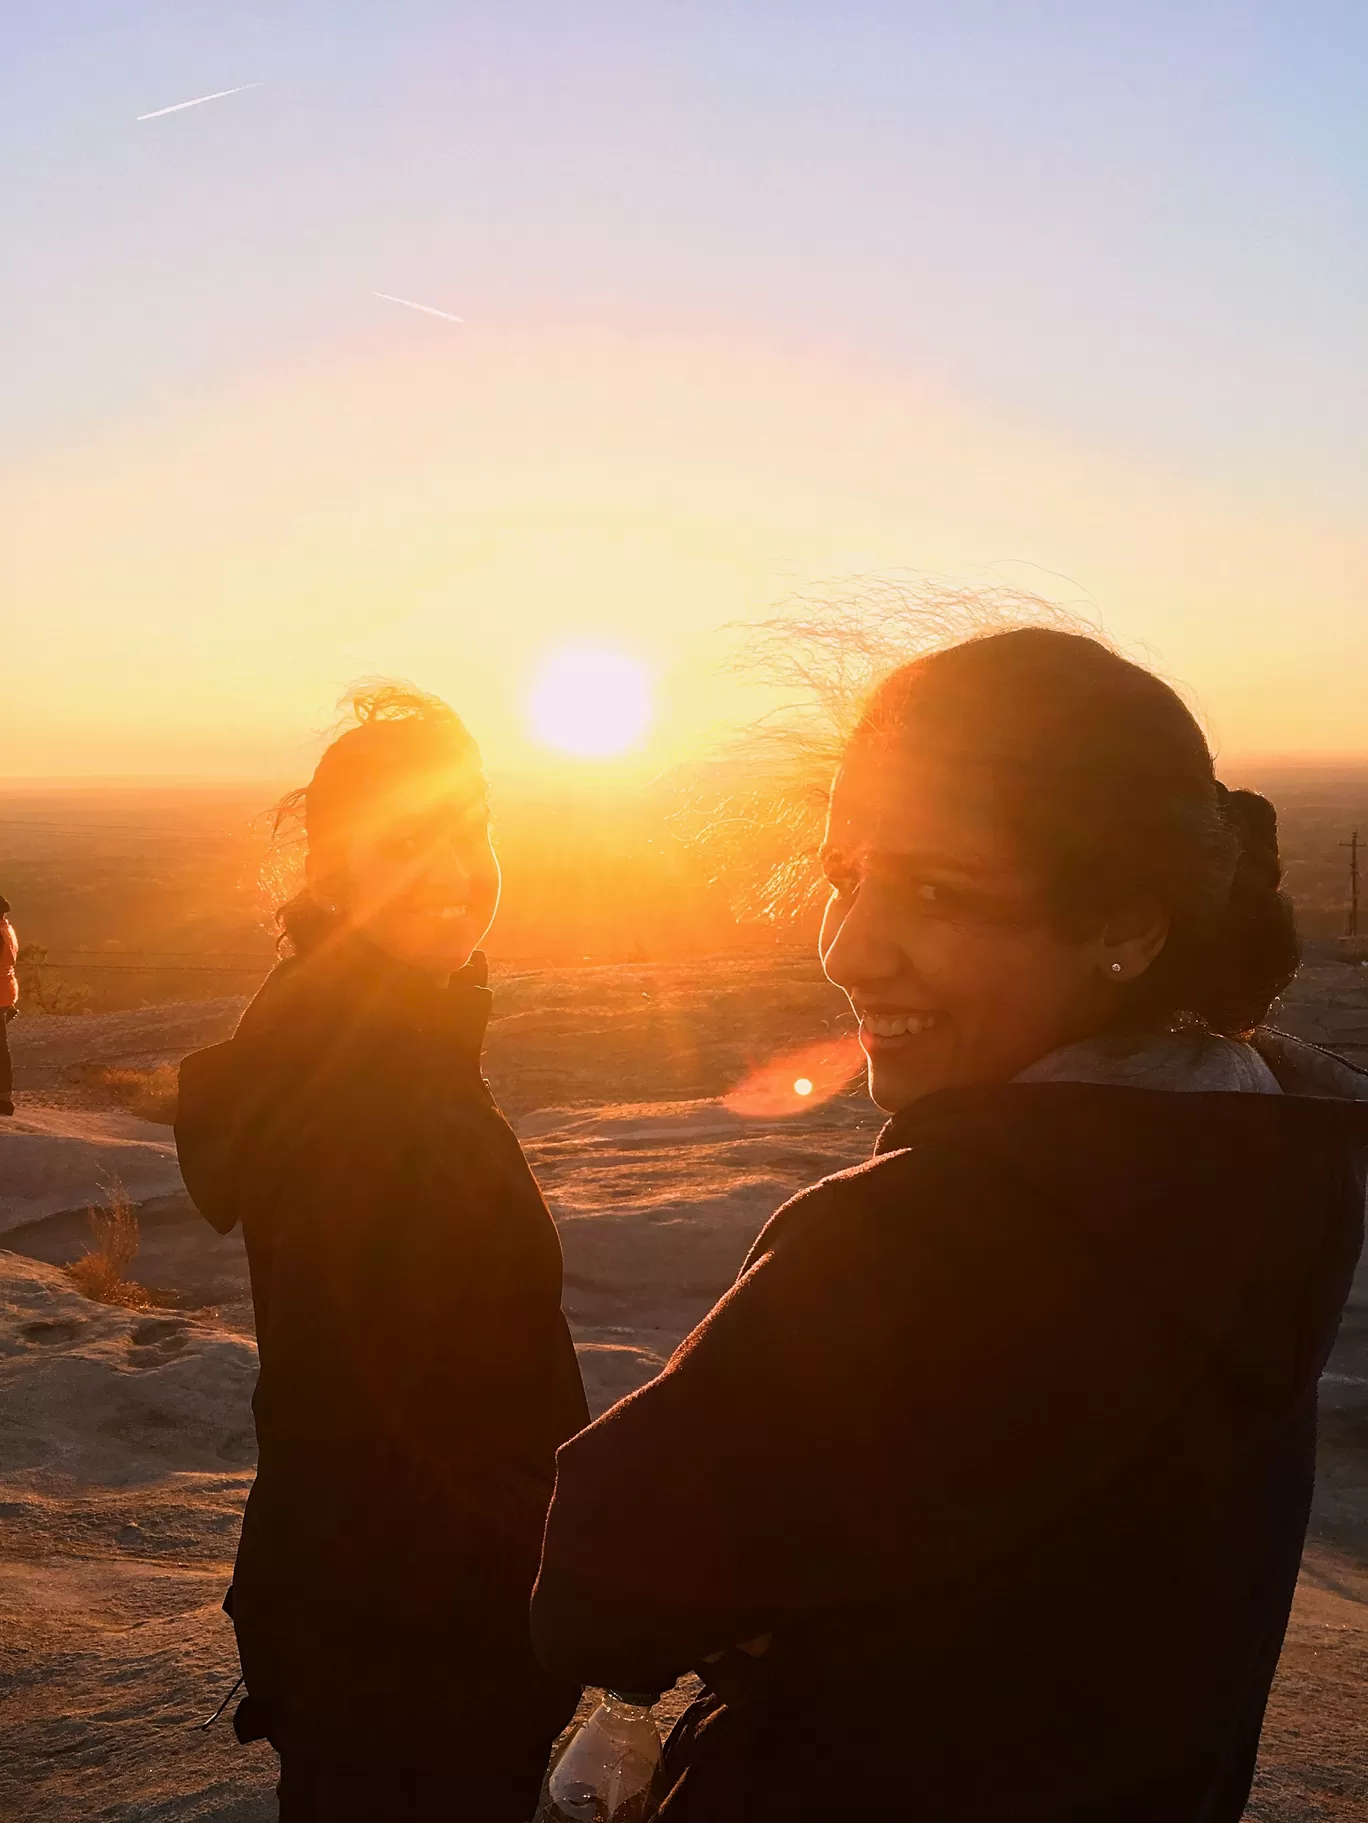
(594, 701)
(1051, 1354)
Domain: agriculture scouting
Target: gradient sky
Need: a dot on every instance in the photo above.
(1071, 296)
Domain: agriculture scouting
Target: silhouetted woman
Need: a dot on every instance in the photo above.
(982, 1493)
(416, 1372)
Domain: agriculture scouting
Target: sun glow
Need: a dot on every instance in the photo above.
(594, 701)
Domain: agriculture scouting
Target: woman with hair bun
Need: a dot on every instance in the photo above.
(417, 1374)
(982, 1493)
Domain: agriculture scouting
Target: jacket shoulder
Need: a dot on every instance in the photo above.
(281, 997)
(934, 1178)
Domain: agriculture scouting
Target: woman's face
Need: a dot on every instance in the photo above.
(415, 871)
(938, 932)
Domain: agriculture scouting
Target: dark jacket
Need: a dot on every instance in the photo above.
(1008, 1438)
(416, 1373)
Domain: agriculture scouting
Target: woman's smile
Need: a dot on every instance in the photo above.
(425, 886)
(885, 1028)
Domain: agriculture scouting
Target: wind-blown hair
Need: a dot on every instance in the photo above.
(755, 809)
(388, 731)
(1103, 776)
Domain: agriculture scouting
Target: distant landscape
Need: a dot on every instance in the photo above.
(141, 893)
(136, 894)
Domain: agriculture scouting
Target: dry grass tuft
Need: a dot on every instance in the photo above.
(99, 1273)
(150, 1094)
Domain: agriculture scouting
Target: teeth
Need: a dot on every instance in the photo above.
(898, 1025)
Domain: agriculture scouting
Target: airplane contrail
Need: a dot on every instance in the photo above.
(429, 308)
(199, 101)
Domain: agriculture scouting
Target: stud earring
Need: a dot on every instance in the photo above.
(326, 895)
(1116, 968)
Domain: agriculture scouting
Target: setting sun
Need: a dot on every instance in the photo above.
(591, 700)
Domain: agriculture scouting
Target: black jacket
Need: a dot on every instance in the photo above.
(1008, 1438)
(416, 1374)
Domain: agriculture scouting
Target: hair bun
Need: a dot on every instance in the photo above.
(1255, 824)
(1251, 951)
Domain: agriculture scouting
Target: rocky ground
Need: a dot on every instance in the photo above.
(125, 1434)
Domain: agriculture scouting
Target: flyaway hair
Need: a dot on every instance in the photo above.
(389, 731)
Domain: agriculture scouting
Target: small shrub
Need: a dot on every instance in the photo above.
(99, 1273)
(150, 1094)
(40, 983)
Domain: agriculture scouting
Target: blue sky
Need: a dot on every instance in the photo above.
(1144, 221)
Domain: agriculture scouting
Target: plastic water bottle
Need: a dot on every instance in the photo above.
(609, 1769)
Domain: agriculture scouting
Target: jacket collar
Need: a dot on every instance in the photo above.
(1297, 1073)
(347, 983)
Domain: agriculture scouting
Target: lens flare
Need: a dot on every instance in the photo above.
(799, 1079)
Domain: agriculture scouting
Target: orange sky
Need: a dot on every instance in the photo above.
(448, 504)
